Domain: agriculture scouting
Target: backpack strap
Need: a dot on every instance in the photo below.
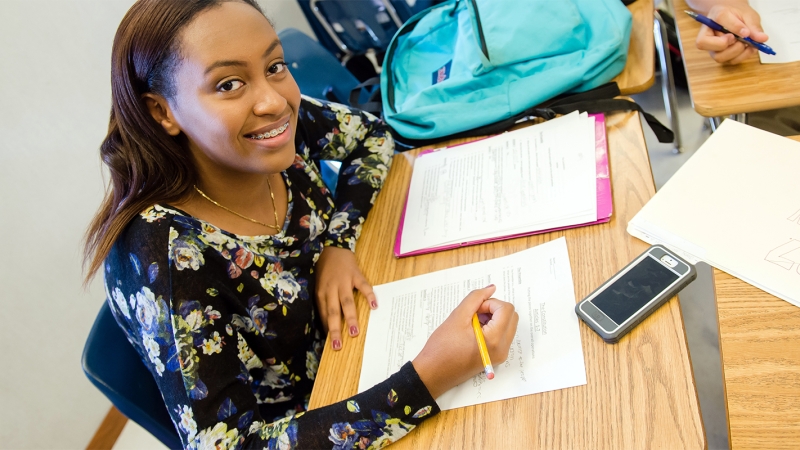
(602, 99)
(664, 134)
(373, 104)
(598, 100)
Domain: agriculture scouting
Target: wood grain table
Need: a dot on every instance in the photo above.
(721, 90)
(640, 392)
(639, 72)
(760, 347)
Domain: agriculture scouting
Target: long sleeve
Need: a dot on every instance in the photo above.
(364, 145)
(226, 326)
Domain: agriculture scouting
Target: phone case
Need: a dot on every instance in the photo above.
(614, 337)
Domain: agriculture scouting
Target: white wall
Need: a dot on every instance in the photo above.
(54, 105)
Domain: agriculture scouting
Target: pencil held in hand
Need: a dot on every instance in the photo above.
(487, 363)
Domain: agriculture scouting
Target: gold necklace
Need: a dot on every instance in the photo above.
(274, 209)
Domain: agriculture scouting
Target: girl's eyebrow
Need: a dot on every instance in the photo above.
(239, 63)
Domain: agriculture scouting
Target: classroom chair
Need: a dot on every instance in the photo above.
(115, 368)
(407, 8)
(349, 28)
(318, 73)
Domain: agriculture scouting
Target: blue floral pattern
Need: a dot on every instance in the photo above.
(228, 325)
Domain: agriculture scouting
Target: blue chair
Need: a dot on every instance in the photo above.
(113, 366)
(318, 73)
(319, 31)
(405, 9)
(352, 27)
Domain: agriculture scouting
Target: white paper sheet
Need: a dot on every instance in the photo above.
(539, 177)
(780, 19)
(546, 353)
(736, 205)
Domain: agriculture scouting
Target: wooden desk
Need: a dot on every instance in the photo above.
(760, 347)
(720, 90)
(640, 392)
(639, 72)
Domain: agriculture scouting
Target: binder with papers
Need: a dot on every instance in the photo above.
(542, 178)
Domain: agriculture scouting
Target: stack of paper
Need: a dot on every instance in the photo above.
(540, 178)
(546, 353)
(735, 205)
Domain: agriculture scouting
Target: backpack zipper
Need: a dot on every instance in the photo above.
(481, 38)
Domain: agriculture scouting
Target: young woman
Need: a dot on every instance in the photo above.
(224, 254)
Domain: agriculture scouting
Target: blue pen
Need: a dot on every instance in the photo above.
(717, 27)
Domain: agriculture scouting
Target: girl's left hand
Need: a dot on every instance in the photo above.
(337, 275)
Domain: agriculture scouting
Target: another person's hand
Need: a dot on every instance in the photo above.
(337, 275)
(450, 357)
(723, 47)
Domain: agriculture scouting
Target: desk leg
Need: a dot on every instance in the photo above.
(667, 80)
(714, 123)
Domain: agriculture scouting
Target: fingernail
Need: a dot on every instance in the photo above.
(353, 330)
(337, 344)
(373, 304)
(487, 287)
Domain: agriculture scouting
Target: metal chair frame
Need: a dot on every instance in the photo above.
(347, 52)
(667, 79)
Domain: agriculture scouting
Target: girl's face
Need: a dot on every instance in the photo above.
(235, 99)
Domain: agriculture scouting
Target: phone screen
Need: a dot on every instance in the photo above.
(634, 289)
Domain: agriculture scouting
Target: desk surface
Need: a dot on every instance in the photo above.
(639, 72)
(720, 90)
(760, 348)
(640, 392)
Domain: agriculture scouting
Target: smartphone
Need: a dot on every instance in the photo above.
(634, 292)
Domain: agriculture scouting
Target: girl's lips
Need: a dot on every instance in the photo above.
(269, 133)
(265, 130)
(279, 140)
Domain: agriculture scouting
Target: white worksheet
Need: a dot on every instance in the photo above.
(780, 19)
(546, 353)
(535, 178)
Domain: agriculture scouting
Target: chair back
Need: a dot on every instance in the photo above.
(352, 27)
(406, 8)
(113, 366)
(318, 73)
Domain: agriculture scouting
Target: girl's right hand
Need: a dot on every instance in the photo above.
(450, 357)
(723, 47)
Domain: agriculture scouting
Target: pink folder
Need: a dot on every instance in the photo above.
(604, 201)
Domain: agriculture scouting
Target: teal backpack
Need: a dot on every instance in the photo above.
(464, 64)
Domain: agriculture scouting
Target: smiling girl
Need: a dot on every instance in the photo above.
(225, 256)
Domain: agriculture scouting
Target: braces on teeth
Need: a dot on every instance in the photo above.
(272, 133)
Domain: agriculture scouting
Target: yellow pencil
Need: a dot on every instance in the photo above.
(487, 363)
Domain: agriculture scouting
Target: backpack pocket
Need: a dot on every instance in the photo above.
(512, 31)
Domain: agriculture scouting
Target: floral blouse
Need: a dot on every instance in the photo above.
(228, 325)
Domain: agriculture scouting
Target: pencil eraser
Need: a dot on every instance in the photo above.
(490, 376)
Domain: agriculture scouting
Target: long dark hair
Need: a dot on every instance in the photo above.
(146, 165)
